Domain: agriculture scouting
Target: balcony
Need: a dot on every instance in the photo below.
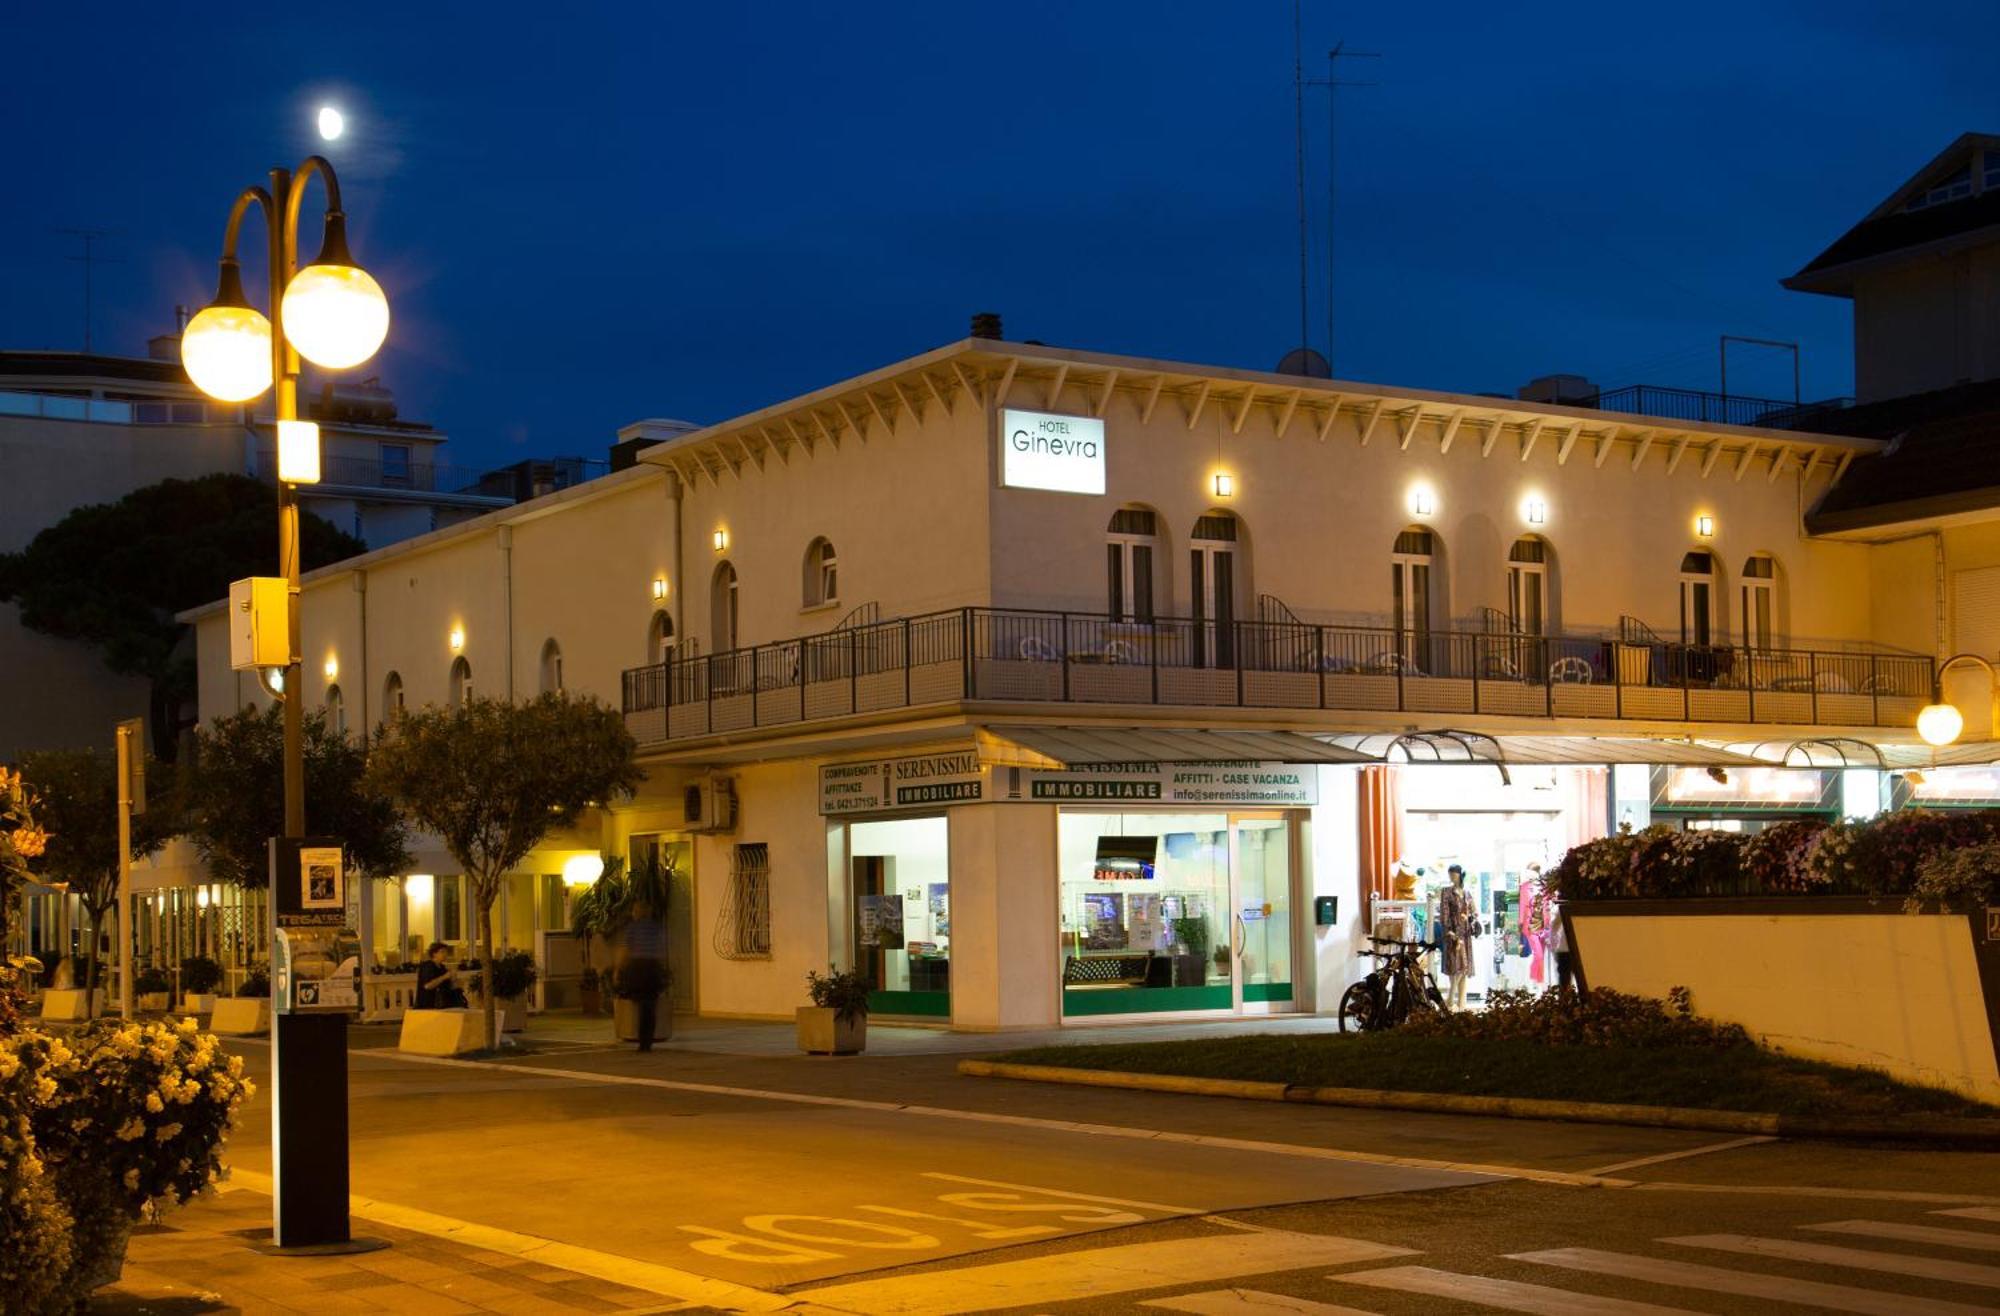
(1015, 656)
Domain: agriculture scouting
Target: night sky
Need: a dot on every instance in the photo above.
(588, 214)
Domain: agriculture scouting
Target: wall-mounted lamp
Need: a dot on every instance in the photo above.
(1705, 526)
(201, 897)
(1225, 485)
(582, 869)
(1423, 503)
(659, 588)
(331, 668)
(298, 452)
(1536, 512)
(721, 540)
(456, 638)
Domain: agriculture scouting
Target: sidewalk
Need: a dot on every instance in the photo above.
(203, 1259)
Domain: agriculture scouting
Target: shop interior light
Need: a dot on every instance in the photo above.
(298, 451)
(418, 886)
(582, 869)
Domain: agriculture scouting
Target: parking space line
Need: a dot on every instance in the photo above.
(1743, 1283)
(1825, 1254)
(1987, 1213)
(1973, 1239)
(1804, 1190)
(1731, 1145)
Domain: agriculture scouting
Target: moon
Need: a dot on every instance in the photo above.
(332, 123)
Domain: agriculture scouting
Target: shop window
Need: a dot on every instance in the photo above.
(1215, 585)
(460, 682)
(900, 903)
(336, 712)
(450, 909)
(392, 697)
(722, 608)
(822, 575)
(660, 638)
(552, 668)
(1760, 602)
(1410, 595)
(1130, 553)
(743, 930)
(1528, 586)
(1698, 598)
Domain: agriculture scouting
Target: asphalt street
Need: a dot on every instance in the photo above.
(892, 1184)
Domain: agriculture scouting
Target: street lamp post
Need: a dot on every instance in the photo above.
(1940, 723)
(332, 314)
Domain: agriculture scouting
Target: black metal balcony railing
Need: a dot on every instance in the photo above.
(1006, 655)
(1713, 408)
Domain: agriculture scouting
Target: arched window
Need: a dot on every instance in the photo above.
(1214, 586)
(1528, 585)
(822, 574)
(1129, 555)
(336, 712)
(1698, 597)
(552, 673)
(1760, 601)
(722, 608)
(1410, 594)
(460, 683)
(660, 638)
(392, 697)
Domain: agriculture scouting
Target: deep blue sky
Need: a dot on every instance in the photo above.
(586, 214)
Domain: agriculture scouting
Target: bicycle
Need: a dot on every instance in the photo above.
(1393, 991)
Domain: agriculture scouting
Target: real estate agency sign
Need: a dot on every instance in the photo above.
(934, 780)
(1040, 450)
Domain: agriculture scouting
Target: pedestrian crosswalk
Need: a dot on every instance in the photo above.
(1870, 1278)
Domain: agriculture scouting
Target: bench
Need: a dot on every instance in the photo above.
(1138, 970)
(442, 1032)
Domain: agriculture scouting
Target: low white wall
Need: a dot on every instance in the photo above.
(1895, 992)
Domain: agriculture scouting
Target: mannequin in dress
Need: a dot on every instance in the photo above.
(1458, 924)
(1535, 922)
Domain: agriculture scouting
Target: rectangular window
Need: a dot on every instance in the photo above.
(1115, 579)
(450, 909)
(1142, 583)
(396, 464)
(1144, 912)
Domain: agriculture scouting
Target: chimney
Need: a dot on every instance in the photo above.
(986, 324)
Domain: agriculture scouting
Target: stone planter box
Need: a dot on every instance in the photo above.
(513, 1013)
(1850, 980)
(68, 1004)
(198, 1003)
(822, 1032)
(241, 1016)
(156, 1000)
(625, 1020)
(442, 1032)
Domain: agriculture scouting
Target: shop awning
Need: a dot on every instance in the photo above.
(1056, 748)
(1817, 752)
(1520, 751)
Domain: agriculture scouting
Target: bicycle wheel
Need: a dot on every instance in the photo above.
(1360, 1011)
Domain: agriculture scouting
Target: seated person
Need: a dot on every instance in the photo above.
(437, 982)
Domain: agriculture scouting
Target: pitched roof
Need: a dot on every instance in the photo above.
(1943, 460)
(1890, 228)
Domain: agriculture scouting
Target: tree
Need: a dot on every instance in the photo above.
(22, 840)
(491, 779)
(77, 792)
(232, 797)
(112, 575)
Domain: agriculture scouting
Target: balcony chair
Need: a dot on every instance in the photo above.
(1571, 670)
(1035, 649)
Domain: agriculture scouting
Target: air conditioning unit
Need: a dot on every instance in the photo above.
(710, 805)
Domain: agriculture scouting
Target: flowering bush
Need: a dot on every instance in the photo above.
(1601, 1018)
(1774, 860)
(117, 1117)
(1964, 878)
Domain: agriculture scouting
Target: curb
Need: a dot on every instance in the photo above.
(1974, 1134)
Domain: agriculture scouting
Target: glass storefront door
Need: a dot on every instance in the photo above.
(899, 876)
(1174, 912)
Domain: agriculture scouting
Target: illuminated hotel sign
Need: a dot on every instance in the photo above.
(1043, 451)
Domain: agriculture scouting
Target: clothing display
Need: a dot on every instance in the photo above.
(1456, 922)
(1535, 926)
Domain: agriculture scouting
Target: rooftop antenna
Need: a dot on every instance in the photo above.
(1299, 139)
(1333, 83)
(90, 259)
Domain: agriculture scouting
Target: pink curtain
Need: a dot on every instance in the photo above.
(1381, 831)
(1589, 813)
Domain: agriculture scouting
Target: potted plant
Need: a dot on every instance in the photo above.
(154, 988)
(200, 976)
(836, 1023)
(255, 983)
(636, 982)
(590, 991)
(513, 977)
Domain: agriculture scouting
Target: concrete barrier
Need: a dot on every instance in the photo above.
(241, 1016)
(442, 1032)
(65, 1005)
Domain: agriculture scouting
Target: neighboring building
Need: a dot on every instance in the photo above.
(1046, 684)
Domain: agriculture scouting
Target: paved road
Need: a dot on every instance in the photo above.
(868, 1185)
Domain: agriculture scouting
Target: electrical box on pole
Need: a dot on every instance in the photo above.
(258, 631)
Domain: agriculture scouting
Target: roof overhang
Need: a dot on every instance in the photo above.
(1056, 749)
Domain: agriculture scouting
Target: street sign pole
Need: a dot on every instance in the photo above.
(131, 799)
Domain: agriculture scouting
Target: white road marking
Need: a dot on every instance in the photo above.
(1731, 1145)
(1806, 1190)
(1989, 1214)
(1161, 1207)
(1093, 1272)
(1506, 1294)
(1825, 1254)
(1250, 1302)
(1775, 1288)
(1975, 1239)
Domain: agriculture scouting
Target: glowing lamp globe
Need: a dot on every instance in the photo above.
(1939, 724)
(335, 315)
(227, 352)
(582, 869)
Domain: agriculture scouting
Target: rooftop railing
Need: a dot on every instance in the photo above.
(373, 473)
(1060, 658)
(1713, 408)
